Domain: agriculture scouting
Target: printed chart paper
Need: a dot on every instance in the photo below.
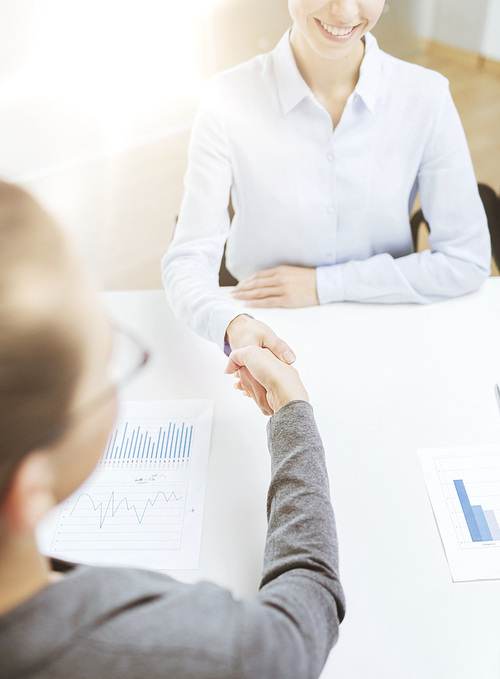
(143, 504)
(464, 489)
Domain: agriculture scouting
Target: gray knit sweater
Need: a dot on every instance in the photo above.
(121, 623)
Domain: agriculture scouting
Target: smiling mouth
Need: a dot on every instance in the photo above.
(335, 30)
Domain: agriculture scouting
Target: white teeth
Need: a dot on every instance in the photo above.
(337, 31)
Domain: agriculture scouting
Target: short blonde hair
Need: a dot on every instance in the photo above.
(40, 352)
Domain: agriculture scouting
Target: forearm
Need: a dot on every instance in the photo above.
(190, 268)
(420, 278)
(194, 295)
(300, 575)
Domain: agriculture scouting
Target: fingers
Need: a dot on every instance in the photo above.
(235, 361)
(256, 364)
(262, 278)
(270, 340)
(257, 368)
(279, 348)
(259, 286)
(257, 292)
(231, 366)
(238, 358)
(255, 390)
(244, 332)
(268, 380)
(250, 387)
(284, 286)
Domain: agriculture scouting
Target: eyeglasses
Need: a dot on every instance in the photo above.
(127, 360)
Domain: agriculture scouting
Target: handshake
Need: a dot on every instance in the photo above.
(265, 378)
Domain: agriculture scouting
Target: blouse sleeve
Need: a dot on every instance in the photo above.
(191, 265)
(460, 255)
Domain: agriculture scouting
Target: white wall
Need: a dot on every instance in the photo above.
(424, 18)
(395, 30)
(490, 46)
(470, 25)
(460, 23)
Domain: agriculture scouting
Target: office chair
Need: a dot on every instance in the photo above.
(225, 278)
(491, 203)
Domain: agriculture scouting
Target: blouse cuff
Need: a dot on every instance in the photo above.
(329, 284)
(220, 318)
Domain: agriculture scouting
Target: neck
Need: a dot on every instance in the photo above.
(324, 76)
(23, 570)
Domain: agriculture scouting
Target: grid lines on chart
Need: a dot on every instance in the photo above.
(108, 518)
(162, 445)
(471, 486)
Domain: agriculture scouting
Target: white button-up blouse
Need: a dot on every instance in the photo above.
(337, 200)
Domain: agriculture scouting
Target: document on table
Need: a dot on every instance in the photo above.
(464, 489)
(143, 504)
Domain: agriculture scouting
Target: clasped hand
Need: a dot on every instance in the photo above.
(260, 360)
(266, 379)
(284, 286)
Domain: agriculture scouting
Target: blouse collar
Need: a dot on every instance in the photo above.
(292, 88)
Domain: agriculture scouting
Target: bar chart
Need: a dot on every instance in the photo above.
(463, 484)
(471, 486)
(142, 506)
(153, 440)
(482, 524)
(163, 445)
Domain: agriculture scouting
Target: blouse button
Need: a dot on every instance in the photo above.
(329, 157)
(330, 209)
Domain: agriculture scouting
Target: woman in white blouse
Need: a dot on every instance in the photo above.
(322, 145)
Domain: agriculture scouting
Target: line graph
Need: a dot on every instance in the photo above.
(122, 517)
(142, 506)
(112, 508)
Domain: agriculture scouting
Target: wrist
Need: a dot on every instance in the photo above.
(233, 330)
(296, 395)
(291, 403)
(287, 388)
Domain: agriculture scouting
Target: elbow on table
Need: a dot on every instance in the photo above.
(480, 271)
(472, 277)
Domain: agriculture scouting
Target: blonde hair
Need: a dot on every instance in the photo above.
(40, 352)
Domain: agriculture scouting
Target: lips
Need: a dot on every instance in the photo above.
(339, 32)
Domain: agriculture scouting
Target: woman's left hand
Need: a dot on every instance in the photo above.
(284, 286)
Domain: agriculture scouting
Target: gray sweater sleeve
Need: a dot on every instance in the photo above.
(300, 600)
(120, 622)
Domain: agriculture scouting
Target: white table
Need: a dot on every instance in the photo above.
(384, 381)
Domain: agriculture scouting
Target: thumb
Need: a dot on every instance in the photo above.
(279, 348)
(238, 358)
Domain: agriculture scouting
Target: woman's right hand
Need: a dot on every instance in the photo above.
(244, 331)
(268, 380)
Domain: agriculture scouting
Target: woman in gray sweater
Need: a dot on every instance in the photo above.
(57, 406)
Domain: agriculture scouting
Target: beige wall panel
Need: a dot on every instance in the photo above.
(244, 28)
(120, 212)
